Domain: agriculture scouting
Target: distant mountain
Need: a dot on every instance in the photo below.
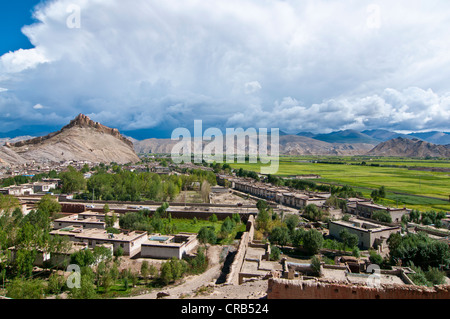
(384, 135)
(82, 139)
(441, 138)
(289, 145)
(347, 136)
(409, 148)
(306, 134)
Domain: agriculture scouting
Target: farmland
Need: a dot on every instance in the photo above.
(405, 184)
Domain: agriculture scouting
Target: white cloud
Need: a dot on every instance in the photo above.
(252, 87)
(39, 107)
(165, 63)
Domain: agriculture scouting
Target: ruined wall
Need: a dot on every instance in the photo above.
(298, 289)
(246, 239)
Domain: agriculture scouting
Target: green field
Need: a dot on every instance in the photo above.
(410, 185)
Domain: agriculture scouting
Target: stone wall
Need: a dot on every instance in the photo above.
(312, 289)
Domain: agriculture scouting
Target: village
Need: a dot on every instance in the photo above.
(247, 268)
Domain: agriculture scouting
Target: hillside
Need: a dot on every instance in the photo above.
(409, 148)
(289, 145)
(82, 139)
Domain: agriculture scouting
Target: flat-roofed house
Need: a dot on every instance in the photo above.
(366, 210)
(130, 242)
(44, 187)
(167, 247)
(76, 220)
(369, 234)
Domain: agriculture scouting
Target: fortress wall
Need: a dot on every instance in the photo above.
(298, 289)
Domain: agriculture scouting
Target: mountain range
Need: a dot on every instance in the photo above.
(84, 139)
(377, 136)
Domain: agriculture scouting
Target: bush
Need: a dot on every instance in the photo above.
(375, 258)
(26, 289)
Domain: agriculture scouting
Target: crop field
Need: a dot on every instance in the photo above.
(417, 189)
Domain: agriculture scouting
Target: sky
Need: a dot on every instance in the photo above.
(147, 67)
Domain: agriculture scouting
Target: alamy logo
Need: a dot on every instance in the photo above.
(240, 145)
(374, 280)
(74, 279)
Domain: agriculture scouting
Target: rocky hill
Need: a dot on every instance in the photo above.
(409, 148)
(81, 139)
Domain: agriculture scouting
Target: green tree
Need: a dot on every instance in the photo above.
(49, 204)
(313, 241)
(72, 181)
(292, 222)
(87, 288)
(275, 253)
(382, 216)
(213, 218)
(145, 270)
(349, 240)
(280, 236)
(82, 258)
(207, 235)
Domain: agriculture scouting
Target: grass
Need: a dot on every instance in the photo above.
(189, 226)
(366, 178)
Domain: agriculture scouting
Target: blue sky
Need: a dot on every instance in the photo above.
(13, 16)
(150, 66)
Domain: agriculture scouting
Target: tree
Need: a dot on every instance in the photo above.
(349, 240)
(227, 226)
(172, 270)
(49, 204)
(313, 241)
(377, 194)
(292, 222)
(213, 218)
(145, 271)
(312, 212)
(275, 253)
(263, 219)
(207, 235)
(24, 262)
(87, 287)
(280, 236)
(82, 258)
(419, 249)
(72, 181)
(316, 265)
(382, 216)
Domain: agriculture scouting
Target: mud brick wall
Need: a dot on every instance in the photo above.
(246, 239)
(297, 289)
(72, 208)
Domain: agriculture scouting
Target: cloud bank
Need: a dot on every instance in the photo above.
(296, 65)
